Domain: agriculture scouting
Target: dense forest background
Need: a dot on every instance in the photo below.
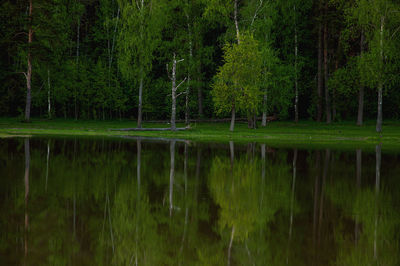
(326, 60)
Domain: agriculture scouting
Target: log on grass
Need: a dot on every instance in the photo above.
(149, 129)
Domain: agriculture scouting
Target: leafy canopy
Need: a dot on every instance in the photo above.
(237, 80)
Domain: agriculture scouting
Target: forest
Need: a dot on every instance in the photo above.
(326, 60)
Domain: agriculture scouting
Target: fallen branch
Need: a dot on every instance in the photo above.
(149, 129)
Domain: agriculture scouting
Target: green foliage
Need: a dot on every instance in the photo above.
(236, 82)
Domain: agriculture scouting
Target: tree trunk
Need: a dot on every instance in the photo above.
(139, 121)
(334, 93)
(173, 111)
(77, 62)
(264, 115)
(235, 13)
(360, 114)
(380, 87)
(319, 75)
(29, 71)
(200, 100)
(327, 97)
(296, 99)
(232, 127)
(189, 70)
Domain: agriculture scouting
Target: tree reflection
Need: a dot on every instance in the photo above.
(247, 204)
(26, 181)
(181, 203)
(375, 240)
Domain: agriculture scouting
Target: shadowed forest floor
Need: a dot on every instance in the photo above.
(281, 133)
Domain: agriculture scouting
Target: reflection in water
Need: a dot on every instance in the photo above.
(171, 176)
(26, 179)
(222, 204)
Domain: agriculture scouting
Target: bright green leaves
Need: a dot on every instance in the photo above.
(140, 35)
(237, 81)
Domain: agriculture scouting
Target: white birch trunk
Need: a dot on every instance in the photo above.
(173, 91)
(380, 86)
(173, 95)
(264, 115)
(236, 21)
(296, 101)
(77, 61)
(189, 70)
(139, 122)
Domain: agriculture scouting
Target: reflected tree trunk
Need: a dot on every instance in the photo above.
(139, 153)
(358, 185)
(48, 94)
(321, 206)
(171, 175)
(292, 202)
(74, 216)
(47, 164)
(377, 185)
(26, 182)
(138, 176)
(198, 165)
(316, 196)
(185, 162)
(262, 172)
(230, 245)
(232, 152)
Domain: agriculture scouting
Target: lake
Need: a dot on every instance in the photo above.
(80, 201)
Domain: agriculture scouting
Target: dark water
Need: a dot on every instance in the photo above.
(141, 202)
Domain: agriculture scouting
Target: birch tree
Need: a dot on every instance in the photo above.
(381, 19)
(174, 89)
(142, 23)
(236, 86)
(28, 74)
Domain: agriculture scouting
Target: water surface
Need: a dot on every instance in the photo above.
(155, 202)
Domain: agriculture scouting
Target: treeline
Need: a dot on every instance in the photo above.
(325, 60)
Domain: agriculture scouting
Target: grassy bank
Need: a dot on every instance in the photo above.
(278, 133)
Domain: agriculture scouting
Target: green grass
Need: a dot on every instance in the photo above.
(305, 133)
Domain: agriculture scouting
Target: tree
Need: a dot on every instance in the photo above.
(174, 90)
(142, 23)
(236, 86)
(380, 18)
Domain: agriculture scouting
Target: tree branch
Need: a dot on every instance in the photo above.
(180, 60)
(168, 73)
(179, 94)
(181, 83)
(26, 76)
(19, 33)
